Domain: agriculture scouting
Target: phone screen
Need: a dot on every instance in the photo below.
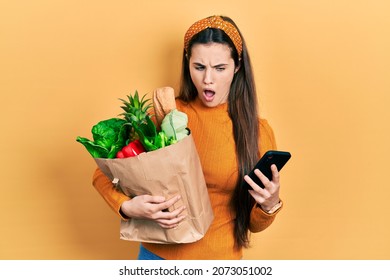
(279, 158)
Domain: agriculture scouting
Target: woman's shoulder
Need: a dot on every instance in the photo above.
(265, 124)
(267, 137)
(185, 106)
(180, 103)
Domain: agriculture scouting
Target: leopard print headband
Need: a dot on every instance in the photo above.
(214, 22)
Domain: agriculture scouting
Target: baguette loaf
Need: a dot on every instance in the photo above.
(163, 102)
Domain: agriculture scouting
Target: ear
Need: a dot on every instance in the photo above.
(237, 67)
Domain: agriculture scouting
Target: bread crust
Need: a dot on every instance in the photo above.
(163, 102)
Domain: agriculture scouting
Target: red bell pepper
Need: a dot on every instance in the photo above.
(134, 148)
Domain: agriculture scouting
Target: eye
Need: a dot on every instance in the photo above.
(199, 67)
(220, 68)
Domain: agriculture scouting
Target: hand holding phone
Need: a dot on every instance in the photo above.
(279, 158)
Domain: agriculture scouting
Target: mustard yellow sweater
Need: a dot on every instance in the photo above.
(213, 135)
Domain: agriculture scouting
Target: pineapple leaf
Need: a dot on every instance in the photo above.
(136, 114)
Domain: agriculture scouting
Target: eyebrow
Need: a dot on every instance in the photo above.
(214, 66)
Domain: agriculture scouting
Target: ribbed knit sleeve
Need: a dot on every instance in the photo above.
(110, 194)
(267, 138)
(259, 220)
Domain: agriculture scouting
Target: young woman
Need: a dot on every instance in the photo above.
(218, 95)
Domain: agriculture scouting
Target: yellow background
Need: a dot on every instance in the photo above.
(322, 71)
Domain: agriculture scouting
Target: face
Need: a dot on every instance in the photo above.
(212, 70)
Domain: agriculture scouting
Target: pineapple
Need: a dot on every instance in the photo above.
(136, 113)
(136, 109)
(138, 118)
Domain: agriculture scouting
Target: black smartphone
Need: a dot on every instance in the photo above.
(279, 158)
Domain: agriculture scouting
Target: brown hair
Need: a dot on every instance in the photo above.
(242, 108)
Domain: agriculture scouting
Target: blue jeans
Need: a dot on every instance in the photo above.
(145, 254)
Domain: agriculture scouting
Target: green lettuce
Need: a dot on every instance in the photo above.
(109, 136)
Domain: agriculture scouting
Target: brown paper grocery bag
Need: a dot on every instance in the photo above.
(168, 171)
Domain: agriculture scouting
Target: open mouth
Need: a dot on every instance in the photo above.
(209, 94)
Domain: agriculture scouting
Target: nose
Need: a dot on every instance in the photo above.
(207, 78)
